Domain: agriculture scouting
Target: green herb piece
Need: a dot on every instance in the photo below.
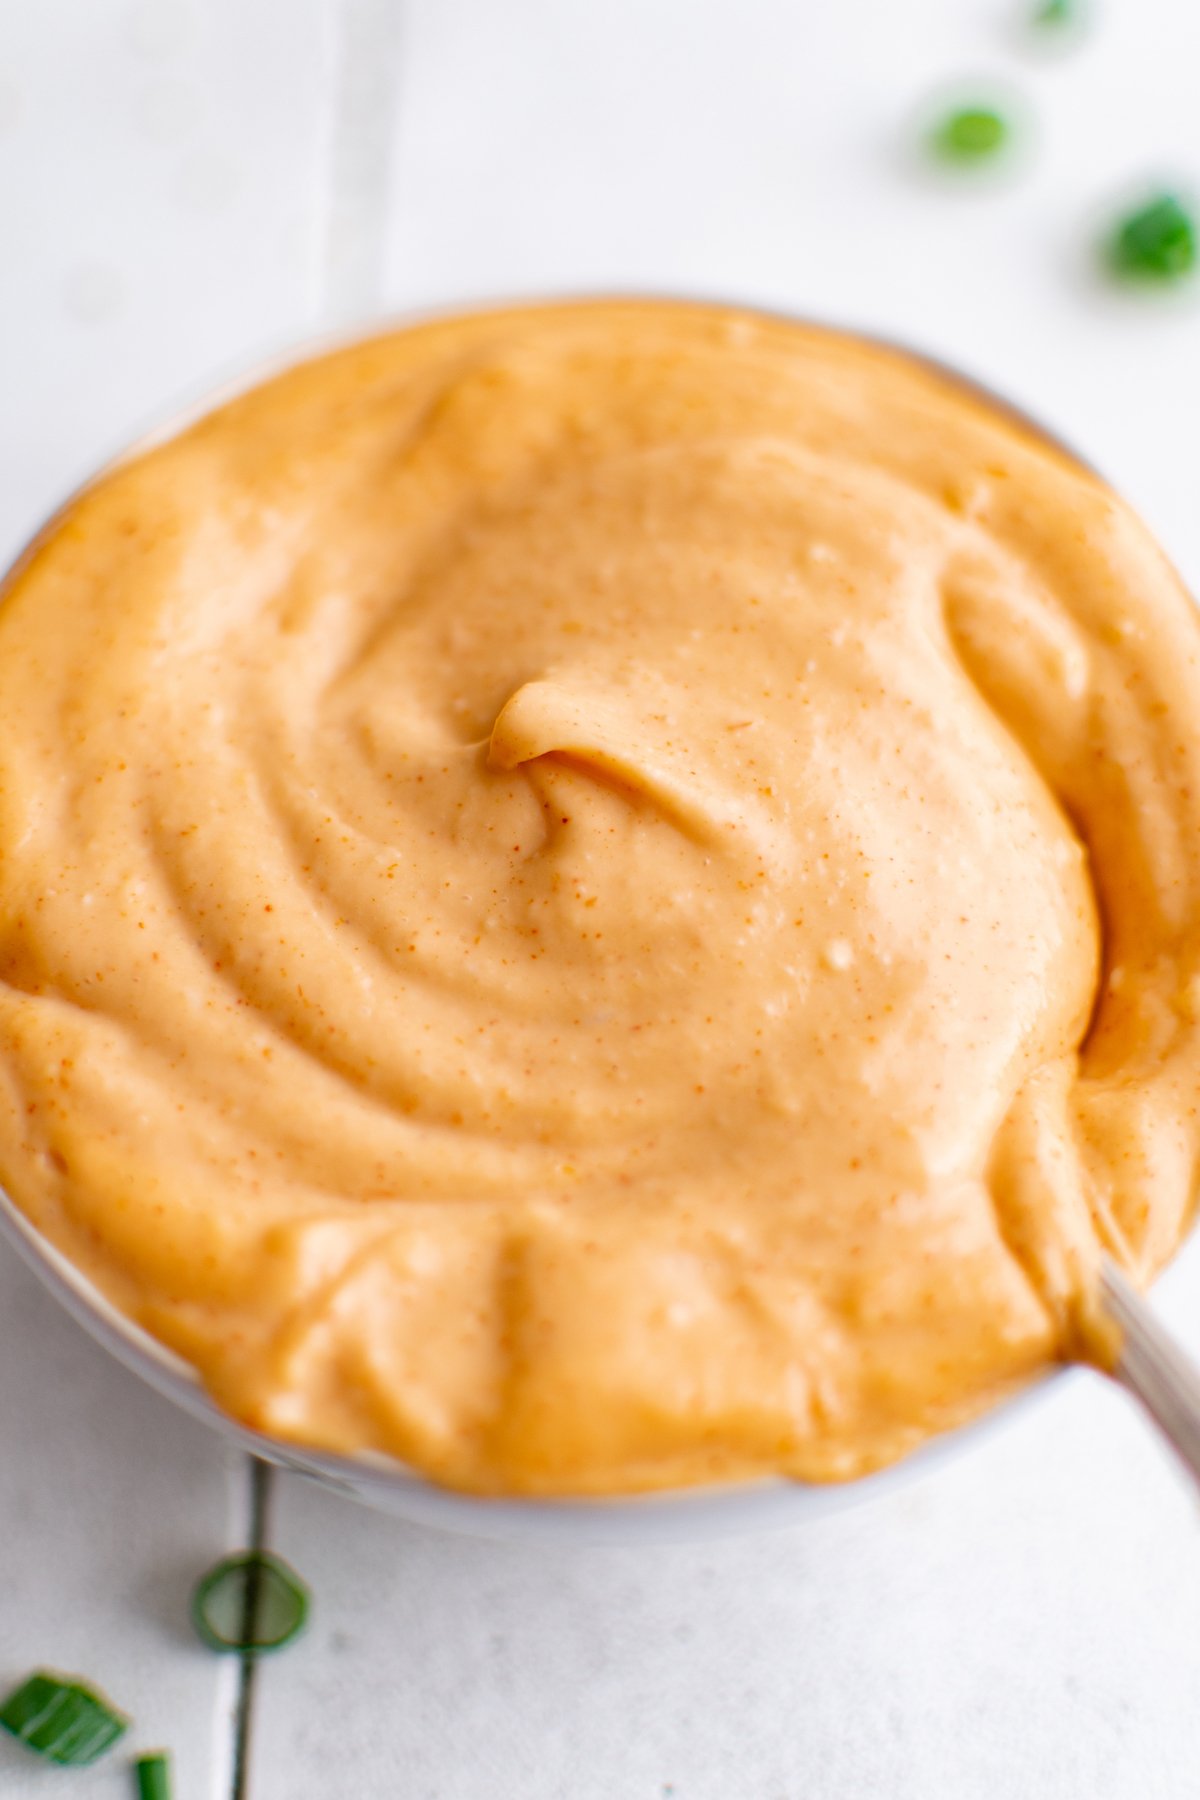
(1054, 15)
(971, 134)
(154, 1776)
(1054, 25)
(61, 1720)
(249, 1603)
(1156, 243)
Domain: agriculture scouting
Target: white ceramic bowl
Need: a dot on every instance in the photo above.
(687, 1514)
(379, 1481)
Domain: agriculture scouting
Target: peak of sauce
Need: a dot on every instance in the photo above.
(601, 897)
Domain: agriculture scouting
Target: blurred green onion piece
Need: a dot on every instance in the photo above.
(249, 1603)
(61, 1720)
(1054, 15)
(970, 134)
(1157, 243)
(153, 1776)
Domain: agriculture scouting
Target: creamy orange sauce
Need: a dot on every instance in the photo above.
(602, 897)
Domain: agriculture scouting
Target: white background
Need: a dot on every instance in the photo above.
(186, 184)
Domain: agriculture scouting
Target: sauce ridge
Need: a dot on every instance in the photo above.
(601, 897)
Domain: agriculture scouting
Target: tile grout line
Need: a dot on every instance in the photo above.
(364, 55)
(365, 76)
(261, 1482)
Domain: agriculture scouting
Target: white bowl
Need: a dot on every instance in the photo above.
(380, 1482)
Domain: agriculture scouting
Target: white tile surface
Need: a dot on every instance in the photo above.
(162, 207)
(1022, 1625)
(761, 149)
(111, 1504)
(174, 181)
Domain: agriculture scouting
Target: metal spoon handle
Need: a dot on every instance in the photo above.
(1154, 1368)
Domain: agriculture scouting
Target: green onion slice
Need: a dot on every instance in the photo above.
(154, 1776)
(971, 134)
(1053, 15)
(249, 1603)
(1157, 243)
(62, 1720)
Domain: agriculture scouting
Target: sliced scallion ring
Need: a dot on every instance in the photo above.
(971, 134)
(61, 1719)
(154, 1776)
(1159, 242)
(249, 1603)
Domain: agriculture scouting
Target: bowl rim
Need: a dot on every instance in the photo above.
(674, 1514)
(241, 374)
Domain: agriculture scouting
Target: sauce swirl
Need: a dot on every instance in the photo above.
(602, 897)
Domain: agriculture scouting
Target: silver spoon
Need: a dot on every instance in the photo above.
(1154, 1368)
